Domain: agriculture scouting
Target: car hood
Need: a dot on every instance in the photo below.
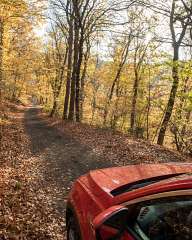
(102, 182)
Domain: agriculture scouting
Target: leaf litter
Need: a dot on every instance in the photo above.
(34, 184)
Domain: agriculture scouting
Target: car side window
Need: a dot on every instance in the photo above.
(169, 219)
(116, 221)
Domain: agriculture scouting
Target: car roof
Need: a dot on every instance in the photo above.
(110, 181)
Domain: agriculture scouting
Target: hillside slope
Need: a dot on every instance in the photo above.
(117, 147)
(40, 159)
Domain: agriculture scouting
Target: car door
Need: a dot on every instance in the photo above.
(108, 232)
(114, 227)
(160, 217)
(168, 218)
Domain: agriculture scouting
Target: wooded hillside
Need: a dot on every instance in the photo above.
(87, 84)
(124, 65)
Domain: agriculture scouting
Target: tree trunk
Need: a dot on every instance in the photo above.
(115, 115)
(71, 116)
(171, 101)
(57, 86)
(116, 79)
(148, 105)
(82, 96)
(77, 97)
(53, 111)
(1, 55)
(69, 66)
(134, 102)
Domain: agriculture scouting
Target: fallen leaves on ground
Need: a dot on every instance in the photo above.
(26, 210)
(117, 147)
(28, 182)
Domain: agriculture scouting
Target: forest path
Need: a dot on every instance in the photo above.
(42, 157)
(63, 158)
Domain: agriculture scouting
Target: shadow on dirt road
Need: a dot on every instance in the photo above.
(64, 158)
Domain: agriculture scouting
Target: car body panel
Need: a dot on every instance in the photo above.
(164, 186)
(91, 193)
(106, 214)
(108, 232)
(110, 178)
(86, 207)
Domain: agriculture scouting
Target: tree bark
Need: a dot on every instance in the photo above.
(54, 108)
(134, 101)
(77, 97)
(116, 79)
(185, 22)
(69, 67)
(58, 83)
(148, 105)
(71, 116)
(171, 101)
(82, 89)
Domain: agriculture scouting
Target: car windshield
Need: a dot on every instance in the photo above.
(170, 220)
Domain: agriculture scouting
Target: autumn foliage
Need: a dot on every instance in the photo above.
(115, 79)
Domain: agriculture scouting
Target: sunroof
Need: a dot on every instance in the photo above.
(142, 183)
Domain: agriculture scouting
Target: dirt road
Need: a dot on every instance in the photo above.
(62, 158)
(41, 159)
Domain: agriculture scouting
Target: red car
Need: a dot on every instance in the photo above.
(139, 202)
